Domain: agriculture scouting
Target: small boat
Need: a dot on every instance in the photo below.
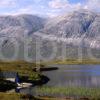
(21, 85)
(24, 85)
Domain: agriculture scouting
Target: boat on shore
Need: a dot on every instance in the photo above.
(23, 85)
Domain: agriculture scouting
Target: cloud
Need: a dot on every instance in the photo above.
(45, 7)
(58, 4)
(93, 4)
(22, 10)
(25, 10)
(64, 4)
(8, 3)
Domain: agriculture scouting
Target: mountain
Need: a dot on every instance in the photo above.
(13, 29)
(76, 29)
(73, 24)
(78, 25)
(17, 26)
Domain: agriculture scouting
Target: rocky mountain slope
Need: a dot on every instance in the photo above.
(17, 26)
(77, 25)
(79, 28)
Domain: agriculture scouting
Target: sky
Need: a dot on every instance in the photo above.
(49, 8)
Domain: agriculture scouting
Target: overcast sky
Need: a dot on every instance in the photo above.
(46, 7)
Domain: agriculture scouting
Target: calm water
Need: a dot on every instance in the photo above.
(72, 75)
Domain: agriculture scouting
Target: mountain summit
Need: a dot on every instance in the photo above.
(17, 26)
(75, 24)
(81, 24)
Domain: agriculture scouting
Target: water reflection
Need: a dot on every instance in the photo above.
(17, 90)
(75, 75)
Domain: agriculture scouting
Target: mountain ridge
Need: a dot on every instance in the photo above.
(79, 28)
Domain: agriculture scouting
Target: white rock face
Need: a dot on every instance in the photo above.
(80, 25)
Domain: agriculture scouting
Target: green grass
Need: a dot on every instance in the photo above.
(72, 61)
(70, 91)
(23, 68)
(91, 94)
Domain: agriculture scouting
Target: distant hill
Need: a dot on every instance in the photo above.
(17, 26)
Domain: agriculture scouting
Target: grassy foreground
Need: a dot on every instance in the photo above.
(15, 96)
(70, 92)
(47, 93)
(25, 68)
